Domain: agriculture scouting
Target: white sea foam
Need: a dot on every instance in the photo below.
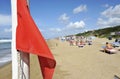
(5, 52)
(5, 59)
(5, 40)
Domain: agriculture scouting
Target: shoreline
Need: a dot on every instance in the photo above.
(7, 63)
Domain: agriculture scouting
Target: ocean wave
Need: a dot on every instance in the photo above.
(5, 40)
(5, 48)
(5, 59)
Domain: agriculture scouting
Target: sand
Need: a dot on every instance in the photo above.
(6, 71)
(75, 63)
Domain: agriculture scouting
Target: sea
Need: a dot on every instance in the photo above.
(5, 51)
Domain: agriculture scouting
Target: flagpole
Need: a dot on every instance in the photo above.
(13, 45)
(24, 66)
(20, 60)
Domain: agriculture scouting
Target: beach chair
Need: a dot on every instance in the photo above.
(116, 44)
(110, 51)
(80, 45)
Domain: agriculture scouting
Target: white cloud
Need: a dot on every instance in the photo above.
(55, 29)
(112, 11)
(64, 18)
(80, 9)
(71, 28)
(78, 24)
(109, 22)
(8, 30)
(5, 20)
(110, 17)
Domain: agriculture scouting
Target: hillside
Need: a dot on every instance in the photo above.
(105, 32)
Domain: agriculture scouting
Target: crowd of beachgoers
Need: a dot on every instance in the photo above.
(81, 41)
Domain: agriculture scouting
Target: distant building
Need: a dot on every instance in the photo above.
(117, 33)
(112, 33)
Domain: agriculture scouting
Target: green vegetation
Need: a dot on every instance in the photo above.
(105, 32)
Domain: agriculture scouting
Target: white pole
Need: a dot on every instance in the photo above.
(24, 66)
(14, 52)
(20, 66)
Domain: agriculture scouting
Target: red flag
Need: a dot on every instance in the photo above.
(30, 40)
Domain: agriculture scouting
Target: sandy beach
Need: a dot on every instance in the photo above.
(75, 63)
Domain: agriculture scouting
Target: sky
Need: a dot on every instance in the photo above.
(65, 17)
(5, 19)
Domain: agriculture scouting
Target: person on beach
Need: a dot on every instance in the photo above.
(81, 43)
(109, 48)
(71, 42)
